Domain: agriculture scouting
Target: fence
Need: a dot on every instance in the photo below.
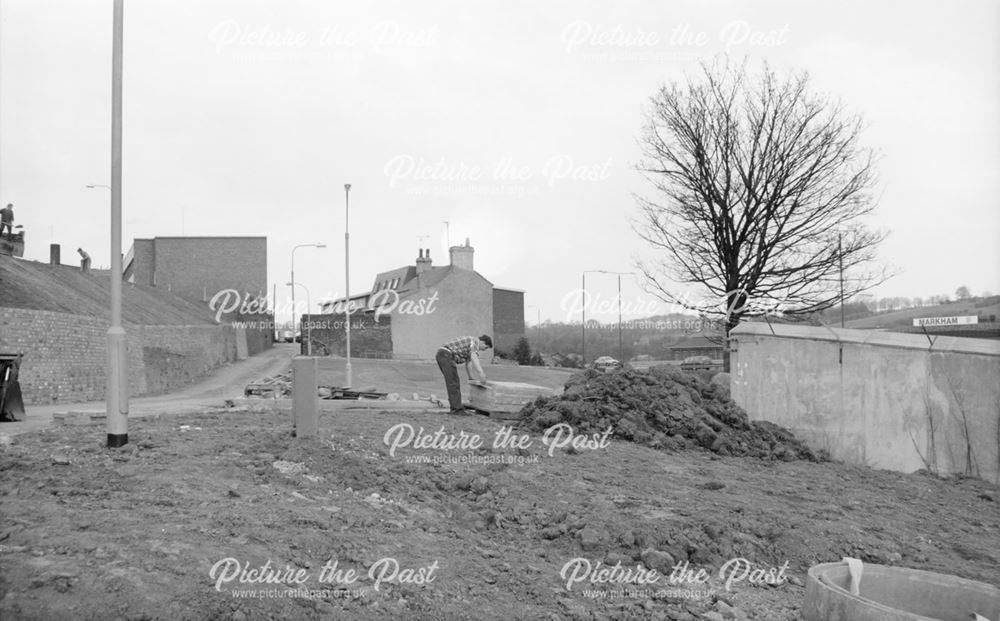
(887, 400)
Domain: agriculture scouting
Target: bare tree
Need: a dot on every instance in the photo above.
(761, 187)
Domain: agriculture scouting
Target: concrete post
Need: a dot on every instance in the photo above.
(305, 420)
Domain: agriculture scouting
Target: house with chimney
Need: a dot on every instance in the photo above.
(411, 310)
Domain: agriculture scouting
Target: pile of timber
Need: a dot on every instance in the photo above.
(271, 387)
(333, 392)
(280, 386)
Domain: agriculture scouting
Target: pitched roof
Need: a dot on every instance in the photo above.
(404, 274)
(429, 278)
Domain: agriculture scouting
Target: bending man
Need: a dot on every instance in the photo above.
(464, 349)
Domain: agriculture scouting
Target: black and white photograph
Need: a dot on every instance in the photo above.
(440, 310)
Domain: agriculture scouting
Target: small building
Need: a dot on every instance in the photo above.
(197, 268)
(712, 345)
(411, 310)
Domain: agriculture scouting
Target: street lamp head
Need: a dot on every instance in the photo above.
(347, 187)
(321, 245)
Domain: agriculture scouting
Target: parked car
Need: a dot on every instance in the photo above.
(606, 363)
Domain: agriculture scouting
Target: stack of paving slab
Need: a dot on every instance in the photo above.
(504, 400)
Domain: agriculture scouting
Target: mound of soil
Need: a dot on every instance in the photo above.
(663, 408)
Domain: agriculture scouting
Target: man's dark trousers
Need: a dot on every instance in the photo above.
(447, 365)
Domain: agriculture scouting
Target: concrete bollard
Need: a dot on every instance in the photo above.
(304, 401)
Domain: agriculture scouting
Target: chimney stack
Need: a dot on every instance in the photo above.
(461, 256)
(54, 254)
(424, 261)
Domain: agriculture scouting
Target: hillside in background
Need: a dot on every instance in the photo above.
(984, 308)
(65, 289)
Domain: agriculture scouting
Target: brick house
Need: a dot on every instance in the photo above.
(411, 310)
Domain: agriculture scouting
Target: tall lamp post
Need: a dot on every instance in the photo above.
(117, 383)
(621, 348)
(294, 310)
(347, 282)
(309, 340)
(840, 257)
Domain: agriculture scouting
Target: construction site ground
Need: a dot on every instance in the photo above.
(223, 514)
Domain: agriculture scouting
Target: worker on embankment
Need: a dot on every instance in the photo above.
(7, 220)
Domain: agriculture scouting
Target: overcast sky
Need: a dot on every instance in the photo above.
(516, 122)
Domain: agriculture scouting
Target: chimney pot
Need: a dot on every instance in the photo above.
(54, 254)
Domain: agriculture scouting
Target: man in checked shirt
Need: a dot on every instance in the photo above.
(464, 349)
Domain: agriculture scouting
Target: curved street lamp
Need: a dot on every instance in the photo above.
(317, 245)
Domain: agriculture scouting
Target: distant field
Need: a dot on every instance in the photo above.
(904, 318)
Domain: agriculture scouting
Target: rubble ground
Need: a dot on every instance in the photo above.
(193, 516)
(663, 407)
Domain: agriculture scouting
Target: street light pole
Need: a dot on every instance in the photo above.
(117, 383)
(294, 309)
(840, 256)
(347, 281)
(583, 318)
(621, 350)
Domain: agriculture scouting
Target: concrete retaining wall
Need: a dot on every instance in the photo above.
(66, 355)
(885, 400)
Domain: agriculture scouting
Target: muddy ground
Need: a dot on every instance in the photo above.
(163, 528)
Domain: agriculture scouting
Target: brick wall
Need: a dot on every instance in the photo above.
(508, 319)
(367, 337)
(66, 355)
(198, 267)
(261, 336)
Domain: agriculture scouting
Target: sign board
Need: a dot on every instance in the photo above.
(932, 322)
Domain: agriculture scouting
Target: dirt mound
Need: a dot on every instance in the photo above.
(662, 408)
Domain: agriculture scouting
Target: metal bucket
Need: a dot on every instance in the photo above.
(895, 594)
